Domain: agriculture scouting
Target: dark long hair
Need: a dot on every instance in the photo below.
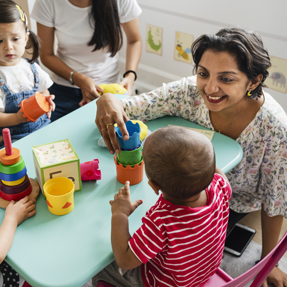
(246, 46)
(9, 13)
(107, 29)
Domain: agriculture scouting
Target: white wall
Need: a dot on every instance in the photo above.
(268, 18)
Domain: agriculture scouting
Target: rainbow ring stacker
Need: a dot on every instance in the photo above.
(10, 169)
(16, 196)
(14, 182)
(15, 189)
(9, 155)
(13, 176)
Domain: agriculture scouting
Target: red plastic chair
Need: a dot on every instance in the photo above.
(261, 271)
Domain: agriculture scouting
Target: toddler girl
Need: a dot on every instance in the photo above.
(19, 78)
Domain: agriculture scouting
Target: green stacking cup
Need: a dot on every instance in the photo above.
(130, 157)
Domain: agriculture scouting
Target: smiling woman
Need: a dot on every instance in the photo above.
(226, 95)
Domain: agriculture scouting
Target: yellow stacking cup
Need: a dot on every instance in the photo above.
(59, 192)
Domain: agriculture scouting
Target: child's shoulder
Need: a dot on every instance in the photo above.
(218, 184)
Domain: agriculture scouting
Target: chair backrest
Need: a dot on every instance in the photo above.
(261, 269)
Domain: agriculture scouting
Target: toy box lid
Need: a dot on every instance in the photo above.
(54, 153)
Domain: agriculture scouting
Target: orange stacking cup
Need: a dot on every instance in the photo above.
(132, 174)
(35, 106)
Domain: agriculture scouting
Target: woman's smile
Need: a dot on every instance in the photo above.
(215, 99)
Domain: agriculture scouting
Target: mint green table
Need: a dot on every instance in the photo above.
(66, 251)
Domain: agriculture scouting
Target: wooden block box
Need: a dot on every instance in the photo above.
(57, 159)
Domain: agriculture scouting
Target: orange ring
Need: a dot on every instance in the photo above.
(9, 159)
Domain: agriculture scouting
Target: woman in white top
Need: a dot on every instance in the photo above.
(89, 36)
(227, 96)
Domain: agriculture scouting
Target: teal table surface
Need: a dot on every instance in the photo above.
(66, 251)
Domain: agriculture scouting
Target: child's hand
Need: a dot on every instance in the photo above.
(20, 117)
(122, 201)
(21, 210)
(50, 99)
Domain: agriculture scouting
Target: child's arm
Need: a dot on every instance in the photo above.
(219, 171)
(12, 119)
(14, 215)
(50, 99)
(121, 209)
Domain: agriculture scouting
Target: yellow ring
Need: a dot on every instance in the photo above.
(109, 125)
(14, 182)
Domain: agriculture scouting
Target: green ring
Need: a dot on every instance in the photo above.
(14, 168)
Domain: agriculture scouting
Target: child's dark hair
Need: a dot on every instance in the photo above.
(105, 20)
(11, 12)
(179, 160)
(246, 46)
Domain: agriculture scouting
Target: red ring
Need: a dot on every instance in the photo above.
(17, 196)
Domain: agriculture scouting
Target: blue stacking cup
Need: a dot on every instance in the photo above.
(133, 142)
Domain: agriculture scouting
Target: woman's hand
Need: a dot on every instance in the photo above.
(90, 89)
(128, 82)
(277, 277)
(110, 111)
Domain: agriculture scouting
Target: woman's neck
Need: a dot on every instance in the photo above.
(81, 3)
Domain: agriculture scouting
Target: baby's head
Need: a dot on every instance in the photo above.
(180, 161)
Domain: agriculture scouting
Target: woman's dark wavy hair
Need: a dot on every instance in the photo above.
(9, 13)
(247, 46)
(105, 19)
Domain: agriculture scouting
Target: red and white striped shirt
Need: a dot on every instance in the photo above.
(182, 246)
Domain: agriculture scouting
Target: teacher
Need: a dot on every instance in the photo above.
(89, 37)
(226, 95)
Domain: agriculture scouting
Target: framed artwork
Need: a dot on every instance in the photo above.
(277, 75)
(154, 39)
(182, 49)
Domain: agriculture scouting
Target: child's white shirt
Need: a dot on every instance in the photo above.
(20, 78)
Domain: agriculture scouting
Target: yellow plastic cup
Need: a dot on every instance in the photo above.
(59, 192)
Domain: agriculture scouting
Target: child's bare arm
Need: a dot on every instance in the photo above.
(14, 215)
(11, 119)
(121, 209)
(219, 171)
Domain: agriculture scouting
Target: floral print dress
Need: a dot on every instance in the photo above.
(260, 178)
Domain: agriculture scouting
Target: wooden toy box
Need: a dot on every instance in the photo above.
(57, 159)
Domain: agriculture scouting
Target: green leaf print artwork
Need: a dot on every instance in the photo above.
(151, 43)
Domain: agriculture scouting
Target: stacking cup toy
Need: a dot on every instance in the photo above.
(128, 173)
(59, 192)
(134, 131)
(34, 107)
(90, 170)
(130, 157)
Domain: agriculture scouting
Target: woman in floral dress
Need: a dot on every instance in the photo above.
(226, 95)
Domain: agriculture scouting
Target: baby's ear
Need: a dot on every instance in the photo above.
(154, 186)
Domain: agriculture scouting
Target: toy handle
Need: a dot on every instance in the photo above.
(7, 141)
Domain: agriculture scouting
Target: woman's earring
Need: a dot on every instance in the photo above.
(249, 93)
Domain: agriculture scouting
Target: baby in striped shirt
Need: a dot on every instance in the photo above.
(181, 239)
